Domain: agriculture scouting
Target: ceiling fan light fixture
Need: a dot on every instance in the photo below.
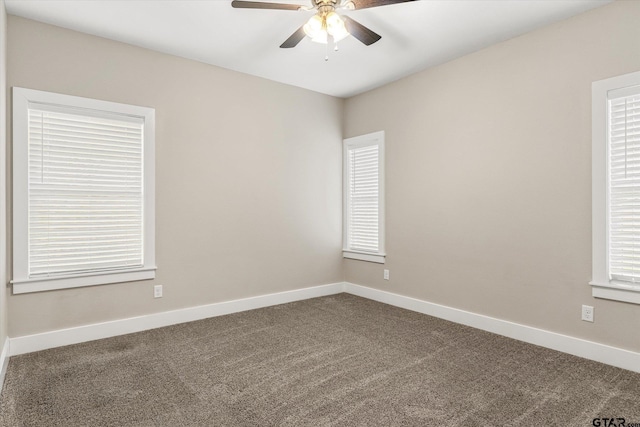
(320, 27)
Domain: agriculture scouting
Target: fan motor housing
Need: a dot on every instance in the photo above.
(324, 4)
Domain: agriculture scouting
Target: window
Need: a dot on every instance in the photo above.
(616, 188)
(83, 192)
(364, 198)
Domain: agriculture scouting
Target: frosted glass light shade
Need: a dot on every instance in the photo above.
(336, 27)
(313, 27)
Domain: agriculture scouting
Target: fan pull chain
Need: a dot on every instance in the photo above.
(335, 49)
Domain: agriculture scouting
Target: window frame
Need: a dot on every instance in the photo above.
(375, 138)
(601, 284)
(21, 282)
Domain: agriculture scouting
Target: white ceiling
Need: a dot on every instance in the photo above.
(415, 35)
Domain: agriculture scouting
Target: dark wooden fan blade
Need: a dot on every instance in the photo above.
(361, 32)
(294, 39)
(364, 4)
(239, 4)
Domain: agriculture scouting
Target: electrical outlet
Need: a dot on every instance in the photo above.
(386, 274)
(587, 313)
(157, 291)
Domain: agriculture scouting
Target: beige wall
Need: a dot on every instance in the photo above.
(3, 171)
(248, 173)
(489, 177)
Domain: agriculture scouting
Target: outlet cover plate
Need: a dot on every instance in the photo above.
(587, 313)
(157, 291)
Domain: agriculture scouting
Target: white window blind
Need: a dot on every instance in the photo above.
(85, 193)
(363, 198)
(624, 184)
(364, 195)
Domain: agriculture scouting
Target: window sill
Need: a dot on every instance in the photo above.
(377, 258)
(616, 291)
(53, 283)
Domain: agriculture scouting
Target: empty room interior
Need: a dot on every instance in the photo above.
(320, 212)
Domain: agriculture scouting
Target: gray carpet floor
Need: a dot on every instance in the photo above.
(337, 360)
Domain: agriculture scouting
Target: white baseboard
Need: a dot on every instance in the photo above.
(4, 361)
(61, 337)
(578, 347)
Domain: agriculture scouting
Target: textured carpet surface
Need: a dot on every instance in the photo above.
(337, 360)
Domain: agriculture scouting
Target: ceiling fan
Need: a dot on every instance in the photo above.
(326, 25)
